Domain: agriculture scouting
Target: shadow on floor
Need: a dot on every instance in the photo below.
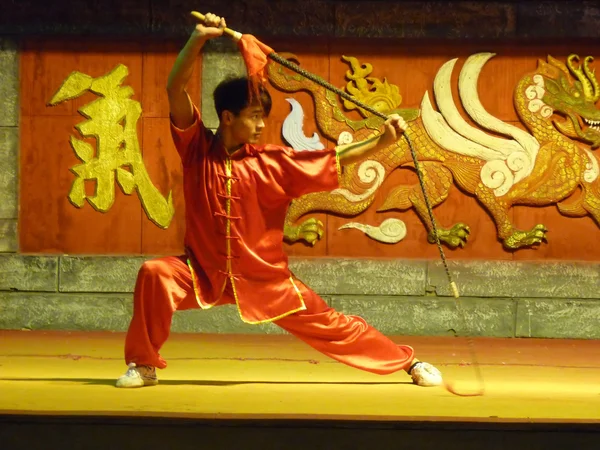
(111, 382)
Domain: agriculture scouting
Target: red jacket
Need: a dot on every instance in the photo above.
(235, 208)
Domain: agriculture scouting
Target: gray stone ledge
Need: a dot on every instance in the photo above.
(409, 316)
(428, 316)
(329, 276)
(551, 318)
(85, 312)
(28, 273)
(8, 235)
(109, 312)
(9, 83)
(325, 276)
(99, 273)
(9, 169)
(517, 279)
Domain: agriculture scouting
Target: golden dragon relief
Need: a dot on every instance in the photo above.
(551, 164)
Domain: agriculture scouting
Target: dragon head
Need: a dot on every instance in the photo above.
(572, 91)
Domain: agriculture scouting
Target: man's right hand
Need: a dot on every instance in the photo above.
(212, 27)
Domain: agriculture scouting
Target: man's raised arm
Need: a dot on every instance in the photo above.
(180, 105)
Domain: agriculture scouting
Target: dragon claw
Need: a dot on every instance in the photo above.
(457, 236)
(310, 231)
(520, 239)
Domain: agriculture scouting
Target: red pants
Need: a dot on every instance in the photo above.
(165, 285)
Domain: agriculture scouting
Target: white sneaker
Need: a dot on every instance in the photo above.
(138, 376)
(424, 374)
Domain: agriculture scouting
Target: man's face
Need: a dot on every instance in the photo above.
(248, 125)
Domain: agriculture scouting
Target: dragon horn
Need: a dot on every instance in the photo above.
(578, 72)
(592, 77)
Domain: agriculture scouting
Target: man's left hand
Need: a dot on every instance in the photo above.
(395, 125)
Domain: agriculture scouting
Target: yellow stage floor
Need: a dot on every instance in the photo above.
(248, 376)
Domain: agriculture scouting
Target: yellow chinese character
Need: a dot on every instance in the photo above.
(112, 121)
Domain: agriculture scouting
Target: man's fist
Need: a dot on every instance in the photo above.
(395, 124)
(213, 26)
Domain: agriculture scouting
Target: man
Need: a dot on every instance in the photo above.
(236, 196)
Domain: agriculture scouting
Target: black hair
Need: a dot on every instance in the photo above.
(234, 94)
